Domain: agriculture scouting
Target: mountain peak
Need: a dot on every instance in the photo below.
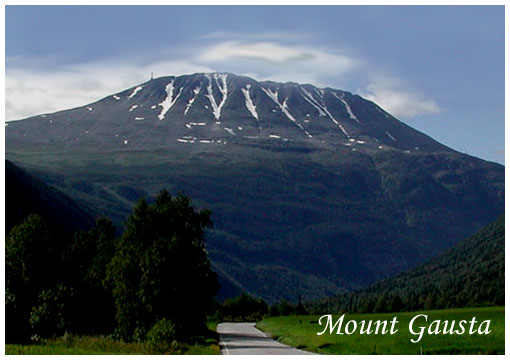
(222, 108)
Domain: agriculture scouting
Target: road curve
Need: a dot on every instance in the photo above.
(245, 339)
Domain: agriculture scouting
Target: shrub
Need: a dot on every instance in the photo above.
(161, 338)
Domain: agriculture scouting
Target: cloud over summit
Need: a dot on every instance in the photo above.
(31, 89)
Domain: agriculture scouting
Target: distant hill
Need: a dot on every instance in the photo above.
(27, 195)
(472, 273)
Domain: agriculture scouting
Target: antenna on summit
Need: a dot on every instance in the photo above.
(152, 75)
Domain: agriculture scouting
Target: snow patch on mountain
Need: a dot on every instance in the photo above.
(249, 103)
(390, 136)
(230, 131)
(196, 91)
(169, 100)
(221, 82)
(135, 91)
(283, 107)
(347, 107)
(323, 109)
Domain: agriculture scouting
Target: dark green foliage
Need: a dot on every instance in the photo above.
(53, 287)
(248, 308)
(162, 337)
(48, 316)
(27, 195)
(31, 266)
(243, 308)
(284, 308)
(93, 283)
(472, 273)
(28, 250)
(160, 268)
(85, 264)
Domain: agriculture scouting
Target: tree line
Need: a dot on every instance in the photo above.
(249, 308)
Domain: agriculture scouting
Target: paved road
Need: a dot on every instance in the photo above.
(245, 339)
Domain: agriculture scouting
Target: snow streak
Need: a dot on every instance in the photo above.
(218, 78)
(230, 131)
(192, 100)
(249, 103)
(390, 136)
(323, 110)
(169, 100)
(347, 107)
(283, 107)
(135, 91)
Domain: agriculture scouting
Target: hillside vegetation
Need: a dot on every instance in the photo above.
(27, 195)
(472, 273)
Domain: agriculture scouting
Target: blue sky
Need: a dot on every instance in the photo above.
(439, 69)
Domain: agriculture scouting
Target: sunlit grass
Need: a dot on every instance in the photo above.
(301, 332)
(103, 345)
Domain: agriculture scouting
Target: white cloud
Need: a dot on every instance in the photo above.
(31, 89)
(272, 60)
(398, 100)
(265, 51)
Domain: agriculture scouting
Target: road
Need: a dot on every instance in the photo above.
(245, 339)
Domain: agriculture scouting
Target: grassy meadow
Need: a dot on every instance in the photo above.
(105, 345)
(301, 332)
(100, 345)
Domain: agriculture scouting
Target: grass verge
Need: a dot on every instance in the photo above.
(104, 345)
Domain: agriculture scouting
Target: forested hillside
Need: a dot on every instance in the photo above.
(27, 195)
(472, 273)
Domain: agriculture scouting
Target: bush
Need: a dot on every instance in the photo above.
(161, 338)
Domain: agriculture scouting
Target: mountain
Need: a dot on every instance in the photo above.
(472, 273)
(312, 190)
(220, 109)
(26, 195)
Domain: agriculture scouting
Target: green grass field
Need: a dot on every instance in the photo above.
(301, 332)
(92, 345)
(102, 345)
